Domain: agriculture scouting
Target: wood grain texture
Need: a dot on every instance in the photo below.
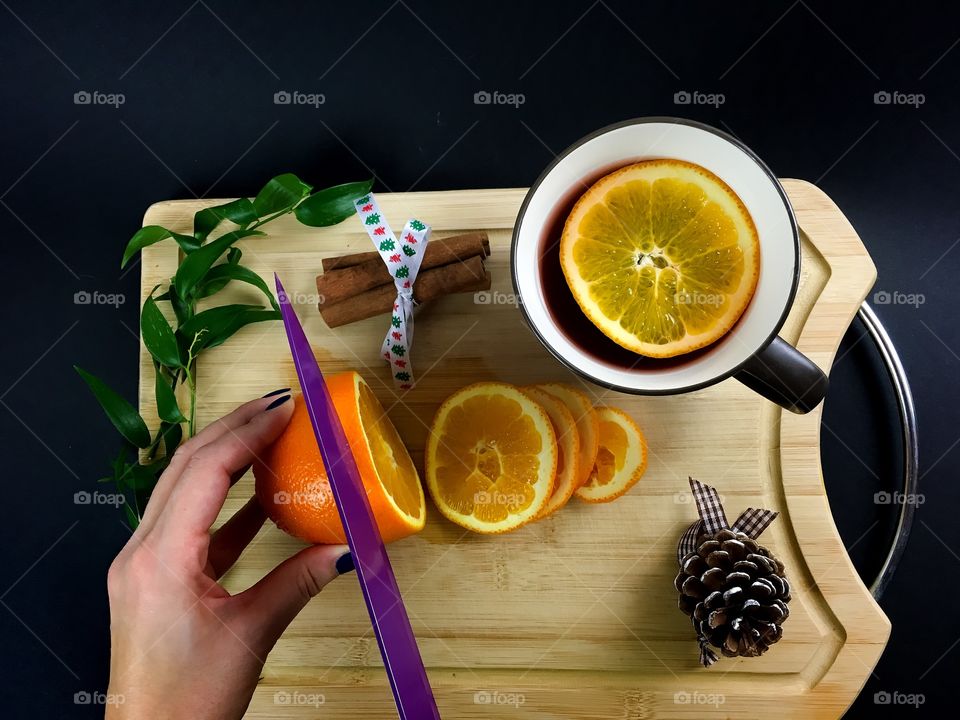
(575, 616)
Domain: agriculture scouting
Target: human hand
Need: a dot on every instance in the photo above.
(181, 645)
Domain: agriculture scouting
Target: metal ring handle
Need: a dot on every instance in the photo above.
(911, 452)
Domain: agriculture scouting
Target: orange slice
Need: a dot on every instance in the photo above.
(586, 421)
(491, 457)
(621, 460)
(291, 481)
(568, 448)
(662, 256)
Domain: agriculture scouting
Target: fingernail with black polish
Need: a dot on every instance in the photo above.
(345, 564)
(277, 392)
(278, 402)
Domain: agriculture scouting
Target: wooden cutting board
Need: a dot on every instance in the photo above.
(575, 616)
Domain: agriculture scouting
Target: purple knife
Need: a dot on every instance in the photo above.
(398, 646)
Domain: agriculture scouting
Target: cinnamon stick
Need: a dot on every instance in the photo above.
(337, 285)
(435, 246)
(345, 261)
(466, 276)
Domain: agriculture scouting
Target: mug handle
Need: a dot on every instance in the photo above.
(784, 375)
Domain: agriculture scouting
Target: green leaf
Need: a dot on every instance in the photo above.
(117, 467)
(144, 477)
(195, 266)
(119, 462)
(209, 287)
(151, 234)
(167, 407)
(181, 309)
(211, 284)
(172, 434)
(281, 193)
(239, 212)
(219, 323)
(121, 413)
(220, 275)
(332, 205)
(215, 280)
(158, 335)
(122, 477)
(132, 520)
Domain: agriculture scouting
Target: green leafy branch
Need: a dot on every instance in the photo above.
(208, 266)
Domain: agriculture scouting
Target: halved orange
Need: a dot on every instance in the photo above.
(662, 256)
(586, 421)
(621, 460)
(568, 448)
(491, 457)
(291, 481)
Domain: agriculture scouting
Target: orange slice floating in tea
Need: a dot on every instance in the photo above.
(491, 457)
(621, 459)
(662, 256)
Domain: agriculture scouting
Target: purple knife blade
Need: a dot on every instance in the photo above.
(398, 646)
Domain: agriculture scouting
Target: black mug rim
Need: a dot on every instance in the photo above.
(794, 228)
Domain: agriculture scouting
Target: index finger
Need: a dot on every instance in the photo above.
(240, 416)
(197, 497)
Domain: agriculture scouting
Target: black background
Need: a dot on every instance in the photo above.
(198, 79)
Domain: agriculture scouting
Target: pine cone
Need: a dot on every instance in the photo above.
(736, 593)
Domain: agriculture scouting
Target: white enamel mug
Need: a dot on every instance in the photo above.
(751, 351)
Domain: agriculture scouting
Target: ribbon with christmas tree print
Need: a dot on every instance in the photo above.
(402, 258)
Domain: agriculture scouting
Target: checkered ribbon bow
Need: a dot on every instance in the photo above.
(403, 258)
(752, 521)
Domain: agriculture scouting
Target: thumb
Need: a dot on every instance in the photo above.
(278, 598)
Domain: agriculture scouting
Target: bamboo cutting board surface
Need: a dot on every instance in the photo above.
(575, 616)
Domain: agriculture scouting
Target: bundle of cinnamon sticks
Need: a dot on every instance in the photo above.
(358, 286)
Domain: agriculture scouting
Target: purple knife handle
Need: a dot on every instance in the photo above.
(398, 646)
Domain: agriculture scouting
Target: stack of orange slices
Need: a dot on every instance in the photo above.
(499, 457)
